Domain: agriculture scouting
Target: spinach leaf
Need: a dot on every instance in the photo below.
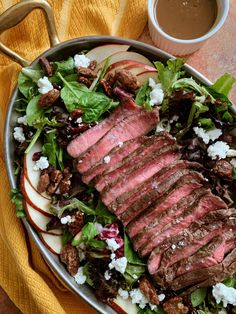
(103, 215)
(74, 204)
(224, 84)
(97, 244)
(130, 254)
(33, 73)
(93, 104)
(52, 150)
(89, 232)
(64, 67)
(143, 95)
(198, 296)
(26, 86)
(17, 199)
(147, 310)
(34, 111)
(231, 281)
(88, 272)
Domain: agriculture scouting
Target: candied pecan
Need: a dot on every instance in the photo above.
(84, 80)
(92, 65)
(46, 66)
(110, 78)
(233, 310)
(77, 113)
(86, 72)
(224, 169)
(148, 290)
(65, 183)
(127, 79)
(44, 182)
(49, 99)
(175, 306)
(55, 179)
(70, 256)
(77, 223)
(106, 87)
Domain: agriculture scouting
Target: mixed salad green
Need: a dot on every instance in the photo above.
(186, 104)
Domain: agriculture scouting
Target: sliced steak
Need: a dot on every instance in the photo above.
(127, 129)
(84, 141)
(206, 277)
(141, 172)
(206, 204)
(189, 241)
(164, 219)
(150, 147)
(128, 198)
(116, 157)
(136, 159)
(181, 184)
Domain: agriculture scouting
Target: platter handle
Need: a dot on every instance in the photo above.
(18, 12)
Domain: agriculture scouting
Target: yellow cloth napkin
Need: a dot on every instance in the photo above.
(23, 273)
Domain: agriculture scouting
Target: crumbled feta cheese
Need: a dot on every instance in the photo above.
(157, 94)
(81, 61)
(66, 219)
(107, 275)
(173, 246)
(18, 134)
(107, 159)
(80, 278)
(113, 255)
(152, 306)
(123, 293)
(119, 264)
(120, 144)
(224, 294)
(22, 120)
(41, 164)
(98, 226)
(206, 136)
(137, 297)
(233, 162)
(79, 120)
(112, 244)
(218, 149)
(161, 297)
(44, 85)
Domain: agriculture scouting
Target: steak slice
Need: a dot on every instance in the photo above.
(163, 220)
(87, 139)
(181, 184)
(127, 129)
(141, 172)
(206, 277)
(189, 241)
(128, 198)
(116, 155)
(206, 204)
(151, 146)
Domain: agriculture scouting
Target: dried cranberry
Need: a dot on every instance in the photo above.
(36, 156)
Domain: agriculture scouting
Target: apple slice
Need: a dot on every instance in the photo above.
(33, 198)
(144, 76)
(52, 242)
(102, 52)
(139, 68)
(122, 306)
(32, 175)
(119, 65)
(124, 56)
(39, 220)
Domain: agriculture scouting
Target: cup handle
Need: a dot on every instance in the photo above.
(18, 12)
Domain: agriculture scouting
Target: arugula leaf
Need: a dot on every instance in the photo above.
(198, 296)
(17, 199)
(130, 254)
(206, 123)
(143, 95)
(104, 216)
(52, 150)
(74, 204)
(93, 104)
(65, 67)
(89, 232)
(97, 244)
(170, 73)
(66, 237)
(224, 84)
(26, 86)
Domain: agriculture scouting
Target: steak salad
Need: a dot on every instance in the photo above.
(127, 170)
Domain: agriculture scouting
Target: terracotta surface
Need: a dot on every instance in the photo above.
(215, 58)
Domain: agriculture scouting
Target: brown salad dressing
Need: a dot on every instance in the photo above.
(186, 19)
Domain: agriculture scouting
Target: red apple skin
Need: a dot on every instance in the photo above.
(22, 178)
(143, 66)
(48, 246)
(117, 308)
